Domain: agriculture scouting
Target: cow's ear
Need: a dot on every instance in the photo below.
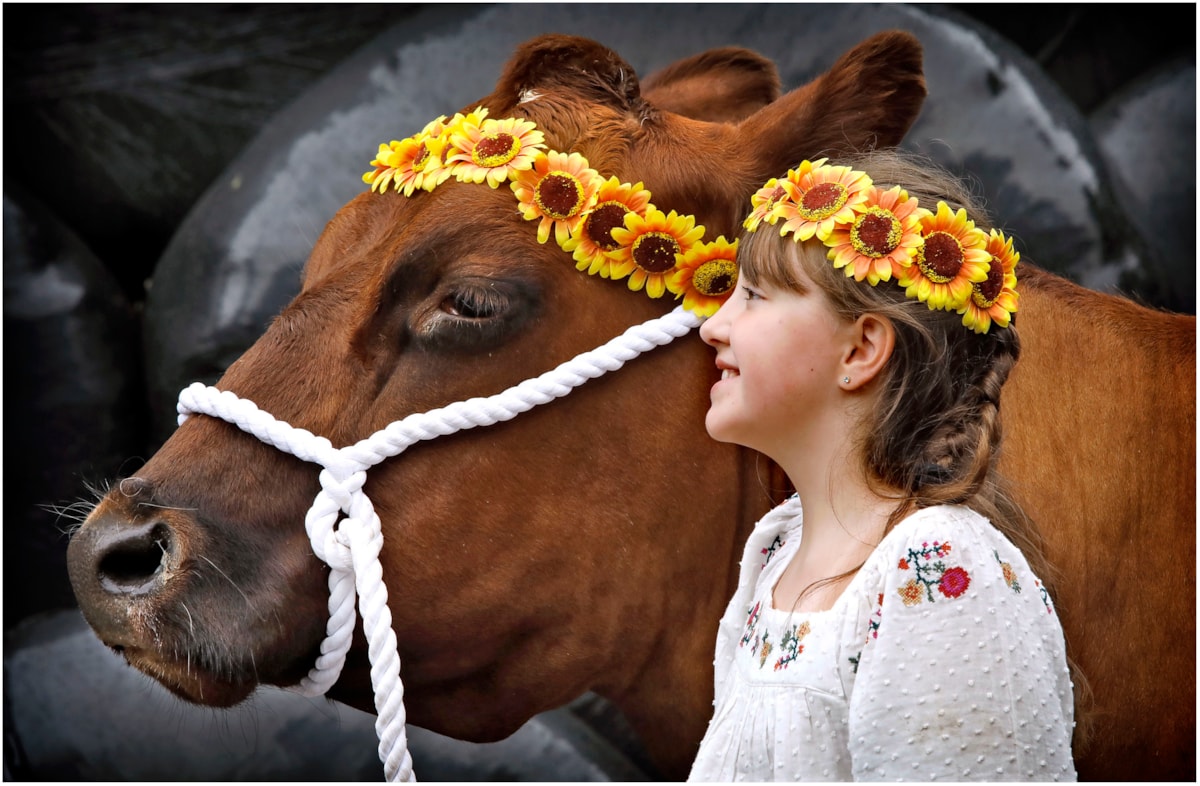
(720, 85)
(868, 99)
(590, 70)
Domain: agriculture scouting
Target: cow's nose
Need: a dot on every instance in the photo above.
(131, 560)
(115, 563)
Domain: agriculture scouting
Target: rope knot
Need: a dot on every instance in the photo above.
(343, 490)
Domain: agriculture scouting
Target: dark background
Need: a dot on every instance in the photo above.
(118, 118)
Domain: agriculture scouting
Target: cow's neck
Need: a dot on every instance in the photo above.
(671, 702)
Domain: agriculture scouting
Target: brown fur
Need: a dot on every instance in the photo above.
(591, 544)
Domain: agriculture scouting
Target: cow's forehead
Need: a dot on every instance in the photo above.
(386, 240)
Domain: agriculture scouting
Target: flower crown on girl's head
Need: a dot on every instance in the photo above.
(609, 227)
(940, 258)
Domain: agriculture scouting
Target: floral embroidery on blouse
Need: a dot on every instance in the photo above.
(761, 645)
(1045, 596)
(1010, 575)
(770, 551)
(751, 624)
(791, 645)
(930, 571)
(872, 630)
(876, 619)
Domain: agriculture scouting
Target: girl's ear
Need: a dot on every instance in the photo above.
(871, 340)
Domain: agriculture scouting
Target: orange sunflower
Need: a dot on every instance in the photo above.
(706, 276)
(558, 189)
(764, 203)
(482, 148)
(994, 299)
(650, 246)
(819, 197)
(591, 243)
(412, 163)
(953, 257)
(881, 240)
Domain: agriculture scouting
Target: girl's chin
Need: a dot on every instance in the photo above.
(719, 428)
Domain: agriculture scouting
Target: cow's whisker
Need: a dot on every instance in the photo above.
(231, 581)
(75, 513)
(191, 622)
(166, 507)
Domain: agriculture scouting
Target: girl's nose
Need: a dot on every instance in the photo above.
(715, 329)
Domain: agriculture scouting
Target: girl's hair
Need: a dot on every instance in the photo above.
(935, 434)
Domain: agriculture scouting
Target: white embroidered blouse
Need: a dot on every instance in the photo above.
(942, 660)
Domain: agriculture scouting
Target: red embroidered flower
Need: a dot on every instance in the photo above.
(954, 582)
(903, 564)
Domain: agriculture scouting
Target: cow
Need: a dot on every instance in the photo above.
(591, 544)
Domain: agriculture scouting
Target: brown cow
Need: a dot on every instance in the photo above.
(591, 544)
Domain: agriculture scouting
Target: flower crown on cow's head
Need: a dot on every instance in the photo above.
(609, 227)
(940, 258)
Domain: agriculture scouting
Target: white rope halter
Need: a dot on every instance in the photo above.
(352, 548)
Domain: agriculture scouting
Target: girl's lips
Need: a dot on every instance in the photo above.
(727, 372)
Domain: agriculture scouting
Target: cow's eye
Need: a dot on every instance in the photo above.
(474, 313)
(474, 303)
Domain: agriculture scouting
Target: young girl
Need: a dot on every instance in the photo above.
(896, 629)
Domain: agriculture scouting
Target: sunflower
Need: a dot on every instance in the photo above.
(650, 247)
(953, 257)
(994, 299)
(764, 203)
(482, 148)
(558, 189)
(706, 276)
(819, 197)
(591, 243)
(881, 240)
(412, 163)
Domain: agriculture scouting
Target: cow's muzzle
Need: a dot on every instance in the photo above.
(120, 566)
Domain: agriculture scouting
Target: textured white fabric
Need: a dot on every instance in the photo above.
(942, 660)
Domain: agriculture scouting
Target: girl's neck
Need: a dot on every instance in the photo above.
(827, 471)
(844, 520)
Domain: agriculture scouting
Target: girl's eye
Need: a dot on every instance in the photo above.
(750, 293)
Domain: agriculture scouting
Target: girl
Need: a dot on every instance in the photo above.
(900, 628)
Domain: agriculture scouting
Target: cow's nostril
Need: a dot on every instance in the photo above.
(133, 564)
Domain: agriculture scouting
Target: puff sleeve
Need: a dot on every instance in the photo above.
(963, 672)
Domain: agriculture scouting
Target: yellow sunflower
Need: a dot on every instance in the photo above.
(482, 148)
(650, 246)
(764, 204)
(953, 257)
(558, 189)
(412, 163)
(706, 276)
(994, 299)
(591, 243)
(881, 240)
(819, 197)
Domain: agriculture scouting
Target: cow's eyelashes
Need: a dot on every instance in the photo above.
(474, 314)
(474, 304)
